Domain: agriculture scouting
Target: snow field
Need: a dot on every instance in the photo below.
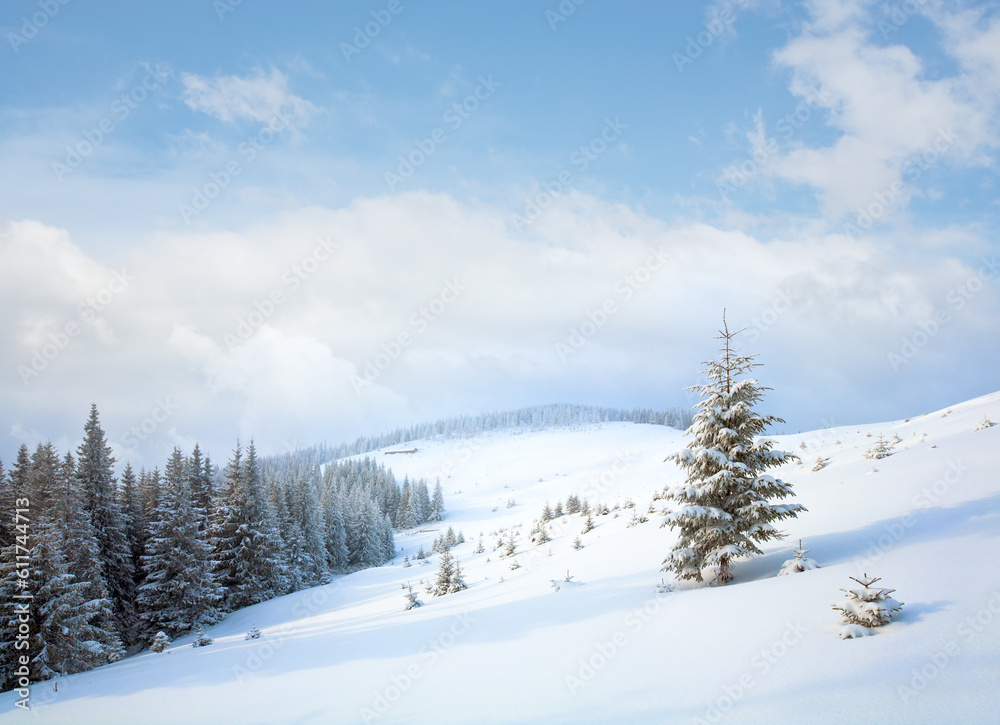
(607, 647)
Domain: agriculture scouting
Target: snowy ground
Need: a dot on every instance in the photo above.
(607, 649)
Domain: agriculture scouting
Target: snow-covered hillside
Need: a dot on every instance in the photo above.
(608, 647)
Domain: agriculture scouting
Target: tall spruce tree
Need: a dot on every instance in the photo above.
(71, 522)
(95, 469)
(247, 544)
(436, 512)
(725, 507)
(179, 591)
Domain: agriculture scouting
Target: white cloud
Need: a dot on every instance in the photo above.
(885, 107)
(257, 97)
(495, 346)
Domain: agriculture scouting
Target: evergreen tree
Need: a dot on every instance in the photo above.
(247, 546)
(725, 508)
(64, 640)
(412, 602)
(179, 591)
(70, 522)
(336, 535)
(446, 572)
(367, 549)
(135, 525)
(404, 516)
(436, 512)
(866, 607)
(160, 642)
(200, 484)
(95, 469)
(457, 582)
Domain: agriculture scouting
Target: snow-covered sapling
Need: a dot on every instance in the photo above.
(799, 563)
(577, 544)
(254, 633)
(412, 602)
(160, 642)
(820, 464)
(201, 639)
(881, 449)
(866, 606)
(984, 424)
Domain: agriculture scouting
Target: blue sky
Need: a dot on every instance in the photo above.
(483, 179)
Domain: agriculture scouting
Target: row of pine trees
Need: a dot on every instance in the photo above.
(102, 565)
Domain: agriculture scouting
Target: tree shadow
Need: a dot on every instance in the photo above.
(979, 517)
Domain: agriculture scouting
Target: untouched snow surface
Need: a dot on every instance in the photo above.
(609, 648)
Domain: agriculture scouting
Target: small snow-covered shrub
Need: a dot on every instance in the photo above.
(160, 642)
(663, 587)
(202, 639)
(881, 449)
(254, 633)
(867, 606)
(984, 424)
(799, 563)
(820, 464)
(412, 602)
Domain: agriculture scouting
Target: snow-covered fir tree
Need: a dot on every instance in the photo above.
(247, 547)
(724, 507)
(95, 469)
(881, 449)
(159, 642)
(798, 563)
(866, 605)
(436, 512)
(71, 523)
(457, 582)
(179, 591)
(412, 600)
(445, 574)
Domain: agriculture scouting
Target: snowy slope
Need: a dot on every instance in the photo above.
(606, 648)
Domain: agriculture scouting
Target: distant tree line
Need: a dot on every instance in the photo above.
(95, 566)
(534, 418)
